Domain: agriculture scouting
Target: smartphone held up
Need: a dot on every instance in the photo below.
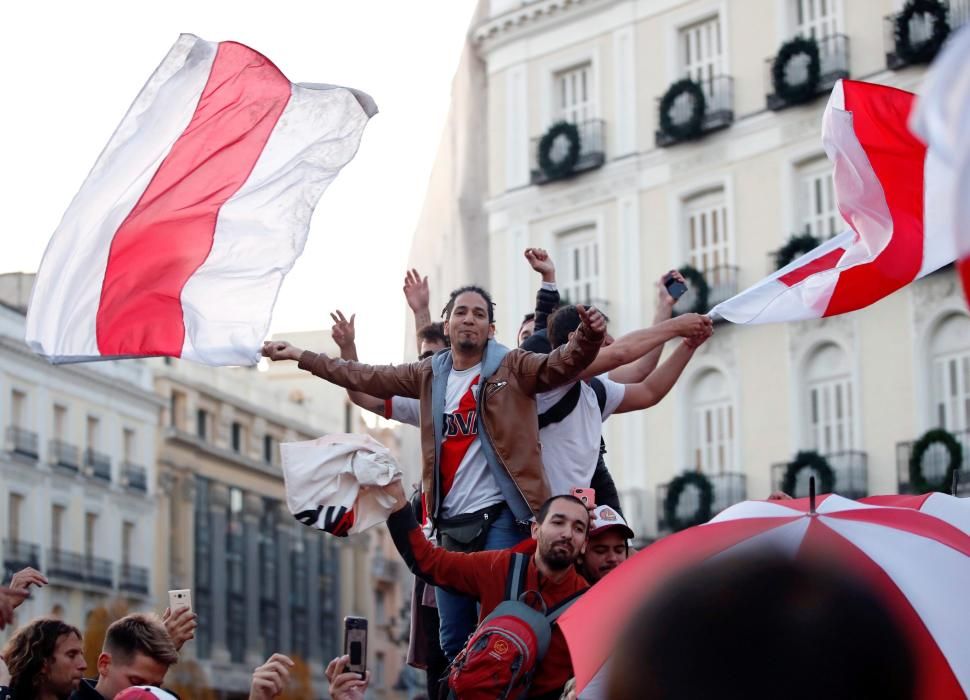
(355, 644)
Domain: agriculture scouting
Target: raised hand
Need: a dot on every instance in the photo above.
(690, 325)
(593, 321)
(343, 331)
(699, 338)
(345, 686)
(665, 302)
(271, 679)
(180, 625)
(540, 261)
(277, 350)
(416, 291)
(25, 578)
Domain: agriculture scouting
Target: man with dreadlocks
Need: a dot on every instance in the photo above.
(482, 466)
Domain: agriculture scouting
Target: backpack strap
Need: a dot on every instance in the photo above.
(600, 390)
(563, 606)
(563, 407)
(516, 581)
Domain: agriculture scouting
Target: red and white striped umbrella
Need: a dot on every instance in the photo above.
(919, 566)
(955, 511)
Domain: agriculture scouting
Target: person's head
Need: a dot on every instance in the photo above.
(564, 321)
(526, 328)
(469, 319)
(758, 628)
(608, 544)
(137, 651)
(432, 339)
(560, 531)
(45, 657)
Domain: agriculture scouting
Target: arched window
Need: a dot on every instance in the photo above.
(950, 373)
(712, 423)
(828, 394)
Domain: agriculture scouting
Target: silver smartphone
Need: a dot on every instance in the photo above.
(180, 599)
(355, 644)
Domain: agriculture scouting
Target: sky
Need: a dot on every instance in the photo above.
(70, 70)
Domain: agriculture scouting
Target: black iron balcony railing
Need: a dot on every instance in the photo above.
(22, 442)
(133, 578)
(833, 54)
(80, 568)
(722, 284)
(728, 488)
(64, 455)
(850, 468)
(134, 477)
(920, 36)
(384, 569)
(936, 460)
(718, 110)
(98, 571)
(592, 150)
(97, 464)
(18, 555)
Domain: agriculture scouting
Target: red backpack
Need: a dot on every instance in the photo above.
(500, 659)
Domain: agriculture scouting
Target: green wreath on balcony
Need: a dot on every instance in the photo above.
(916, 477)
(702, 290)
(675, 490)
(924, 51)
(690, 129)
(809, 459)
(797, 245)
(805, 90)
(557, 169)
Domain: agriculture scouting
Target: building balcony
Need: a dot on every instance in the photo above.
(722, 283)
(728, 488)
(133, 579)
(22, 442)
(850, 468)
(920, 34)
(97, 465)
(935, 463)
(64, 455)
(80, 568)
(134, 477)
(833, 54)
(592, 151)
(18, 555)
(383, 569)
(718, 111)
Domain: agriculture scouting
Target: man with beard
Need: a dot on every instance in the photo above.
(45, 660)
(560, 532)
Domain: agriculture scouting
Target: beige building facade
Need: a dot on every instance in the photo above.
(859, 388)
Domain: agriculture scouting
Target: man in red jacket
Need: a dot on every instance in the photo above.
(560, 531)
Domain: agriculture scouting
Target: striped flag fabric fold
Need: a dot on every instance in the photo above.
(881, 187)
(178, 240)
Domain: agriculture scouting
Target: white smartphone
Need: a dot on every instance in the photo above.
(180, 599)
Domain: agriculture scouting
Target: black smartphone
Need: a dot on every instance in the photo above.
(675, 287)
(355, 644)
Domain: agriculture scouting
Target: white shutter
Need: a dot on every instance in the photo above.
(702, 53)
(579, 252)
(818, 212)
(574, 94)
(708, 239)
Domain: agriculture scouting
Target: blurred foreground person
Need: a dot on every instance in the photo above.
(766, 627)
(45, 661)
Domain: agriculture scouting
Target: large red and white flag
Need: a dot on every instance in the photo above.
(942, 120)
(882, 189)
(179, 238)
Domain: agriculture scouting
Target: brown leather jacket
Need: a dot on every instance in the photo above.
(509, 429)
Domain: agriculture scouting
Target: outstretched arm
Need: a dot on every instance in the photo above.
(651, 390)
(547, 298)
(638, 370)
(418, 298)
(344, 334)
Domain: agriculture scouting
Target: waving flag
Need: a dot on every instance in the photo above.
(881, 187)
(180, 236)
(942, 120)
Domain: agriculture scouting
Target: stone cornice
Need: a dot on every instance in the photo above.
(537, 15)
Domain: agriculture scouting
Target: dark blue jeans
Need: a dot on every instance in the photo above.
(458, 613)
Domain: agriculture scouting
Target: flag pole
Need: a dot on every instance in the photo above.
(811, 495)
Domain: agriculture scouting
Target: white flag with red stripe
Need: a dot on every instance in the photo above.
(179, 238)
(881, 187)
(942, 120)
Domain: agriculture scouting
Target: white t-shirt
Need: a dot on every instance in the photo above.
(403, 409)
(571, 447)
(466, 481)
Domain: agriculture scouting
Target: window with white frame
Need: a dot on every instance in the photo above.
(816, 18)
(579, 276)
(950, 372)
(712, 424)
(701, 53)
(708, 237)
(818, 213)
(829, 396)
(574, 96)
